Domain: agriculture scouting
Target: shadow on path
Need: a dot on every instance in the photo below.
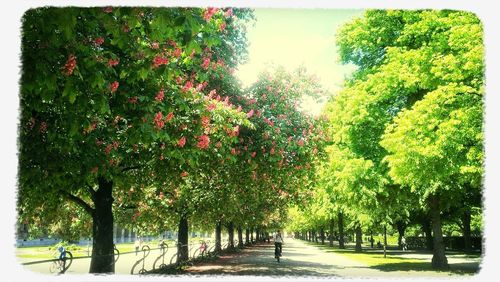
(259, 260)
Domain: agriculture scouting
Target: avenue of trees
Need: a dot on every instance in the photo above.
(133, 115)
(406, 130)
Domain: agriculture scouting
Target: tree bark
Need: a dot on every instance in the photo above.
(218, 231)
(466, 218)
(102, 229)
(341, 231)
(385, 240)
(182, 239)
(322, 234)
(251, 235)
(426, 226)
(230, 232)
(358, 238)
(439, 260)
(332, 225)
(247, 236)
(371, 239)
(240, 237)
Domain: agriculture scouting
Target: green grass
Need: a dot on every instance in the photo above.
(395, 262)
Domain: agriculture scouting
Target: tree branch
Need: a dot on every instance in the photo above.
(78, 201)
(130, 168)
(91, 191)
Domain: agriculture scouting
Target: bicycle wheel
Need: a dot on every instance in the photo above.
(53, 267)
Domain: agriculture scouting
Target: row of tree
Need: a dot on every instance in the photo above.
(132, 115)
(407, 129)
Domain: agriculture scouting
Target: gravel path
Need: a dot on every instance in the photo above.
(299, 259)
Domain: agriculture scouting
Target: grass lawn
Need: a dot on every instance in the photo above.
(396, 260)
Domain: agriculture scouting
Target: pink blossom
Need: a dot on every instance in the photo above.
(70, 65)
(112, 63)
(206, 63)
(188, 86)
(160, 95)
(212, 93)
(177, 52)
(98, 41)
(158, 120)
(181, 142)
(250, 113)
(209, 12)
(203, 142)
(205, 121)
(114, 86)
(211, 107)
(169, 116)
(158, 61)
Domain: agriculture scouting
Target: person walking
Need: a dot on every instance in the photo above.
(403, 243)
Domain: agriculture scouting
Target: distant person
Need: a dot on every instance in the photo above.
(278, 242)
(403, 243)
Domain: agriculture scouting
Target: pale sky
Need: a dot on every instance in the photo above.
(295, 37)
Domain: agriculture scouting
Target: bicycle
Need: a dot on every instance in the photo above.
(59, 265)
(277, 251)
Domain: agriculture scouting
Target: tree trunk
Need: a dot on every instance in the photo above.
(341, 231)
(257, 235)
(426, 226)
(182, 240)
(332, 225)
(401, 226)
(218, 241)
(371, 239)
(385, 240)
(439, 260)
(358, 238)
(322, 234)
(102, 229)
(466, 218)
(247, 236)
(240, 237)
(251, 235)
(230, 232)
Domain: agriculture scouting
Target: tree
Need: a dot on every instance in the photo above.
(107, 96)
(427, 58)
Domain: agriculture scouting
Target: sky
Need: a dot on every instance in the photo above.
(295, 37)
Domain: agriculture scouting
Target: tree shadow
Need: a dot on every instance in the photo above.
(456, 268)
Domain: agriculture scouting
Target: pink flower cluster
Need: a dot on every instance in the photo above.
(209, 12)
(181, 142)
(112, 63)
(159, 60)
(70, 65)
(206, 63)
(99, 41)
(203, 142)
(114, 86)
(160, 95)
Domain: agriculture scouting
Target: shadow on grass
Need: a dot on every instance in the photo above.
(457, 268)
